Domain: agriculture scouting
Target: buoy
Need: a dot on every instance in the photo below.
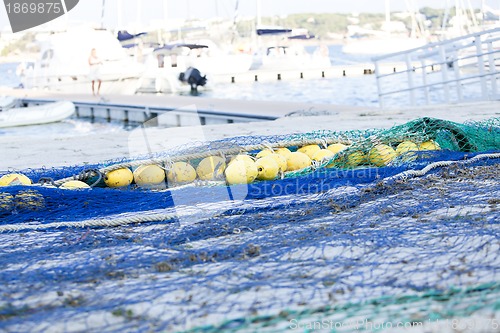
(297, 161)
(264, 152)
(181, 172)
(243, 157)
(6, 201)
(119, 178)
(211, 168)
(321, 154)
(240, 172)
(381, 155)
(267, 167)
(405, 147)
(336, 147)
(30, 200)
(12, 179)
(354, 159)
(283, 151)
(309, 150)
(74, 185)
(148, 175)
(281, 160)
(429, 145)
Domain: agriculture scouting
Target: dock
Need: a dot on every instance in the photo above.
(174, 111)
(334, 71)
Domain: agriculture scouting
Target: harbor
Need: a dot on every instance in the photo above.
(250, 166)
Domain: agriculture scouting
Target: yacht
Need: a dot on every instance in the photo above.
(283, 50)
(63, 64)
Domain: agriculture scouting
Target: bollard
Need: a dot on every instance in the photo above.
(301, 75)
(232, 79)
(394, 69)
(279, 76)
(343, 72)
(256, 79)
(322, 73)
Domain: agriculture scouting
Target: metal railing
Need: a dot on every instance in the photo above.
(456, 70)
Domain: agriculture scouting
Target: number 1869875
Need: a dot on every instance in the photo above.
(31, 7)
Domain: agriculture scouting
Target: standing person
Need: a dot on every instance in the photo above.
(94, 73)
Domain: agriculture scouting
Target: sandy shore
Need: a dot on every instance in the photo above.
(20, 152)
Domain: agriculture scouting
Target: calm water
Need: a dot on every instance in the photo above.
(359, 91)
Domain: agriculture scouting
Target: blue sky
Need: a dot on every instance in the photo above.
(90, 10)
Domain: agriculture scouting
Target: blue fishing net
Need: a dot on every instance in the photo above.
(332, 249)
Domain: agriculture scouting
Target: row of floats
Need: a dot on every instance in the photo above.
(267, 164)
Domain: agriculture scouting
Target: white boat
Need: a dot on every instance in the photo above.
(63, 64)
(285, 51)
(164, 67)
(381, 45)
(7, 102)
(35, 115)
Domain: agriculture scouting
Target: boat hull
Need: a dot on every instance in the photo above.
(36, 115)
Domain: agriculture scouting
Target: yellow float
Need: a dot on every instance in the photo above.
(354, 159)
(74, 185)
(119, 178)
(267, 167)
(211, 168)
(149, 175)
(336, 147)
(241, 172)
(320, 155)
(298, 160)
(381, 155)
(429, 145)
(12, 179)
(181, 172)
(405, 147)
(309, 150)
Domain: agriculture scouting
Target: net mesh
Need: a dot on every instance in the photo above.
(344, 248)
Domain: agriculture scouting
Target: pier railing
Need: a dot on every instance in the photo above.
(451, 71)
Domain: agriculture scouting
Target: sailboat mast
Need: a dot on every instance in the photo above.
(119, 14)
(259, 13)
(387, 12)
(102, 13)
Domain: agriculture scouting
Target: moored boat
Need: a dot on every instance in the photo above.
(35, 115)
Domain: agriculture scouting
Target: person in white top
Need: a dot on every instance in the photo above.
(94, 72)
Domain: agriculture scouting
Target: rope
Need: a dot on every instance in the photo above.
(419, 173)
(114, 222)
(105, 222)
